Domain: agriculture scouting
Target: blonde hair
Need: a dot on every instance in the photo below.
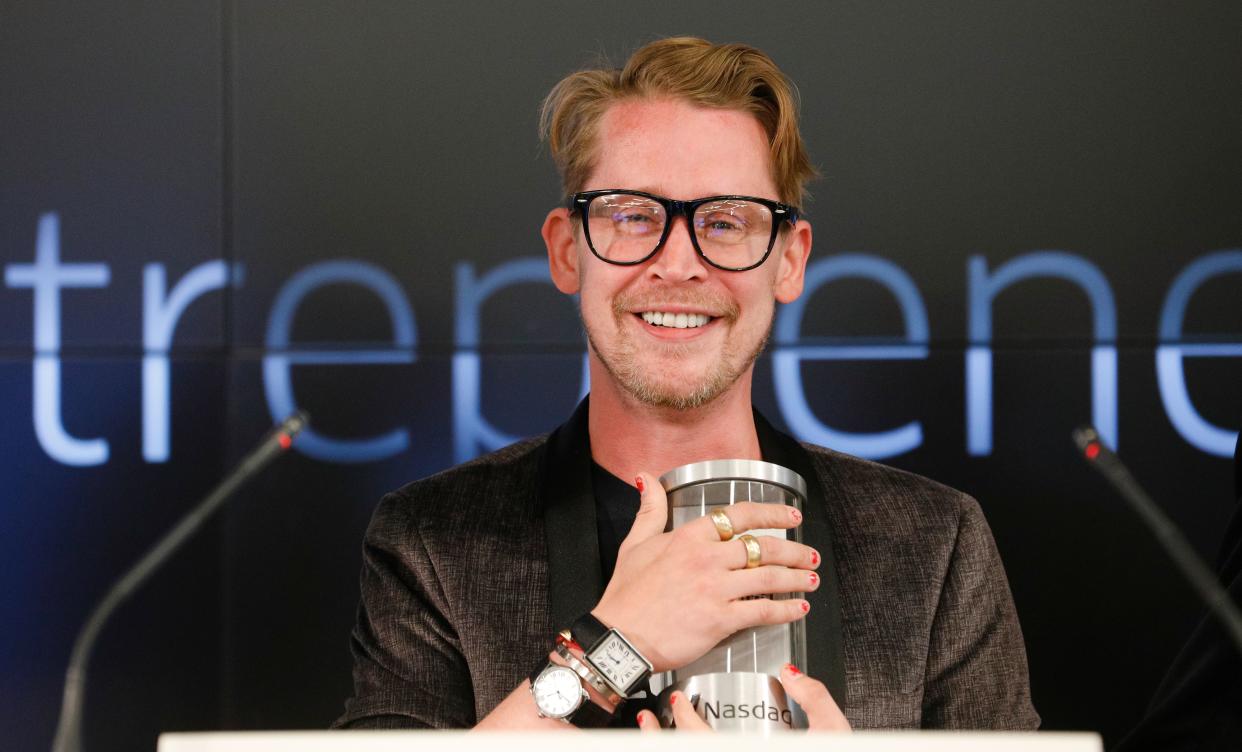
(727, 76)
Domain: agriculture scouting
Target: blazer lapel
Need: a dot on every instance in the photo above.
(574, 574)
(825, 653)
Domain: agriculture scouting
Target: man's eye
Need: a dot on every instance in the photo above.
(631, 217)
(723, 224)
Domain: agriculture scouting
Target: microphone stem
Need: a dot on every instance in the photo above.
(1179, 549)
(69, 727)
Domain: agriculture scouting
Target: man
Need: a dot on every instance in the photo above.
(684, 172)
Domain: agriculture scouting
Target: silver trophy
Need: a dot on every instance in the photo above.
(735, 686)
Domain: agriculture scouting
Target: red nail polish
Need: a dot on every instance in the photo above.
(672, 699)
(815, 558)
(814, 579)
(795, 514)
(640, 719)
(638, 481)
(806, 607)
(792, 669)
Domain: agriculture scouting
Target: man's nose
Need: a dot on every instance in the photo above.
(677, 260)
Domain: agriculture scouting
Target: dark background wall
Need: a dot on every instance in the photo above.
(261, 139)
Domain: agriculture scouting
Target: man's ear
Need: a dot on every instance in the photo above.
(791, 265)
(558, 236)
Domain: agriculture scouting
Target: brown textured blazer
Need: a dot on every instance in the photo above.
(467, 575)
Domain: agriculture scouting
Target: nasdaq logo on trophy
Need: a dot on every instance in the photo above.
(735, 686)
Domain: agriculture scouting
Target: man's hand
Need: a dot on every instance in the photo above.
(676, 595)
(822, 713)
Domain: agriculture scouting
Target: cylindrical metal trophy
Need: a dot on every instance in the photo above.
(735, 686)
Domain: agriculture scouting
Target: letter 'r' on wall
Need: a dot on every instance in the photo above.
(277, 364)
(789, 354)
(45, 277)
(472, 432)
(984, 288)
(160, 315)
(1170, 373)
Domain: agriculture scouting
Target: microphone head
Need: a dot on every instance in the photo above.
(1085, 436)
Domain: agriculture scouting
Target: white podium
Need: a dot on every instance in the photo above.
(625, 741)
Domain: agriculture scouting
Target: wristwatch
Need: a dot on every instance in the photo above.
(564, 641)
(611, 655)
(559, 694)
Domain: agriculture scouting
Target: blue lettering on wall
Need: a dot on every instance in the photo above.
(789, 354)
(472, 432)
(46, 276)
(277, 381)
(159, 320)
(1170, 375)
(985, 287)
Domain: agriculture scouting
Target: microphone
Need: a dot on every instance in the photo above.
(1167, 534)
(69, 728)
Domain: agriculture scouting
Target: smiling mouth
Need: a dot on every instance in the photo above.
(676, 320)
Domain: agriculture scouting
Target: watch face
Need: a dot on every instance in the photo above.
(617, 661)
(557, 691)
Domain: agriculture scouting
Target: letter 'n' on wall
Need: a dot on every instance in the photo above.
(983, 289)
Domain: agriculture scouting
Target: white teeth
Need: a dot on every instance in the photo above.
(675, 320)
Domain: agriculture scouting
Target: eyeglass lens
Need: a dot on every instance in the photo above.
(730, 232)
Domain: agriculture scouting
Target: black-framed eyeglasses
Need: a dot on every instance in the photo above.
(733, 233)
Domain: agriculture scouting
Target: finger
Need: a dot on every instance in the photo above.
(764, 580)
(772, 550)
(822, 713)
(652, 510)
(747, 515)
(647, 721)
(685, 717)
(754, 612)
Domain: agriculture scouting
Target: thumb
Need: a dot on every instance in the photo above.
(652, 510)
(822, 712)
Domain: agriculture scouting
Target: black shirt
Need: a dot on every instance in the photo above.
(616, 504)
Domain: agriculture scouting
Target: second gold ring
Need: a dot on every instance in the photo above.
(754, 555)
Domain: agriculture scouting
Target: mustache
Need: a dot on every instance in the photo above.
(714, 305)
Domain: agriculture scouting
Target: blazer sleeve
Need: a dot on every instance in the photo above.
(977, 675)
(409, 671)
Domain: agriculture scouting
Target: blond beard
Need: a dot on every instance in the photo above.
(622, 363)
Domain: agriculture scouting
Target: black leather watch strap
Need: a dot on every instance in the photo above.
(588, 631)
(590, 716)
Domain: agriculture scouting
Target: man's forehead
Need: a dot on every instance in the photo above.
(682, 150)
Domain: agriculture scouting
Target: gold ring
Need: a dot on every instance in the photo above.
(724, 526)
(753, 552)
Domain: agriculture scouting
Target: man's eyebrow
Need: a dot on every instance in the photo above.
(657, 192)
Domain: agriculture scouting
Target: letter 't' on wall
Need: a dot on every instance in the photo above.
(46, 276)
